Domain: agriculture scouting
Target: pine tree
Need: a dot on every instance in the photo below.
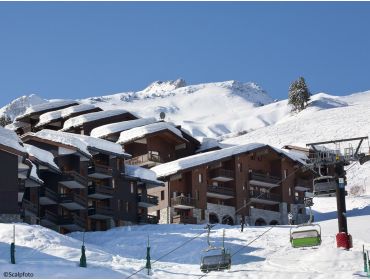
(299, 94)
(4, 120)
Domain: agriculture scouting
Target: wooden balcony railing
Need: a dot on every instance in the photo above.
(264, 178)
(99, 210)
(184, 201)
(219, 172)
(264, 196)
(147, 219)
(100, 189)
(73, 197)
(150, 199)
(28, 205)
(221, 190)
(100, 168)
(46, 192)
(142, 159)
(77, 177)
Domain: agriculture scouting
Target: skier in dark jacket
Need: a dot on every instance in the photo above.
(241, 224)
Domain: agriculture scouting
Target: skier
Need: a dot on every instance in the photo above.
(290, 218)
(241, 224)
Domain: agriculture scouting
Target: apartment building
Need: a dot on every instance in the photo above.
(255, 181)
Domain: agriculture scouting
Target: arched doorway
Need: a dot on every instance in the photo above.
(274, 223)
(227, 220)
(213, 219)
(260, 222)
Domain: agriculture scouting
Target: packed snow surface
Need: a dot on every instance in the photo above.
(108, 129)
(63, 113)
(120, 252)
(47, 106)
(82, 142)
(142, 173)
(41, 155)
(90, 117)
(10, 139)
(139, 132)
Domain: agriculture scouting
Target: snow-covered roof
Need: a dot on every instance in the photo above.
(15, 125)
(80, 120)
(143, 174)
(210, 143)
(10, 139)
(139, 132)
(81, 142)
(33, 173)
(112, 128)
(41, 155)
(46, 106)
(63, 113)
(173, 167)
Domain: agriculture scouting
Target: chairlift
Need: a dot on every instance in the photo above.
(324, 186)
(306, 235)
(215, 262)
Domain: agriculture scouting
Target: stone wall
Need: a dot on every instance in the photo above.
(266, 215)
(221, 211)
(10, 218)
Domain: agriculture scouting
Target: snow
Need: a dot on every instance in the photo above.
(120, 252)
(10, 139)
(209, 143)
(90, 117)
(15, 125)
(63, 113)
(47, 106)
(82, 142)
(18, 106)
(112, 128)
(139, 132)
(41, 155)
(173, 167)
(142, 173)
(33, 173)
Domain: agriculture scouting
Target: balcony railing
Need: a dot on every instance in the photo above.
(183, 201)
(73, 197)
(150, 199)
(77, 177)
(106, 211)
(264, 178)
(147, 219)
(45, 192)
(100, 189)
(100, 168)
(224, 173)
(143, 159)
(29, 206)
(264, 196)
(184, 220)
(221, 190)
(50, 216)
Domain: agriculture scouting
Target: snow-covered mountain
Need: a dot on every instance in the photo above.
(19, 106)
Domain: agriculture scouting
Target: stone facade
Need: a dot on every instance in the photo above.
(10, 218)
(164, 215)
(266, 215)
(221, 211)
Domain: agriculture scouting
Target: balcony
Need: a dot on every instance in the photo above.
(220, 192)
(147, 200)
(74, 180)
(100, 212)
(183, 202)
(100, 171)
(48, 197)
(264, 180)
(222, 175)
(264, 197)
(29, 208)
(71, 222)
(72, 201)
(147, 219)
(100, 191)
(184, 220)
(149, 159)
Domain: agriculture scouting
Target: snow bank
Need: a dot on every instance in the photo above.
(112, 128)
(63, 113)
(82, 142)
(142, 173)
(10, 139)
(47, 106)
(139, 132)
(41, 155)
(90, 117)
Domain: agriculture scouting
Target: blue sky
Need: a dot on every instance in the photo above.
(82, 49)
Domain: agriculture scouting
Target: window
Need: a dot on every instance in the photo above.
(290, 191)
(200, 178)
(243, 187)
(162, 195)
(132, 187)
(174, 194)
(285, 173)
(203, 216)
(113, 183)
(215, 184)
(240, 167)
(253, 157)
